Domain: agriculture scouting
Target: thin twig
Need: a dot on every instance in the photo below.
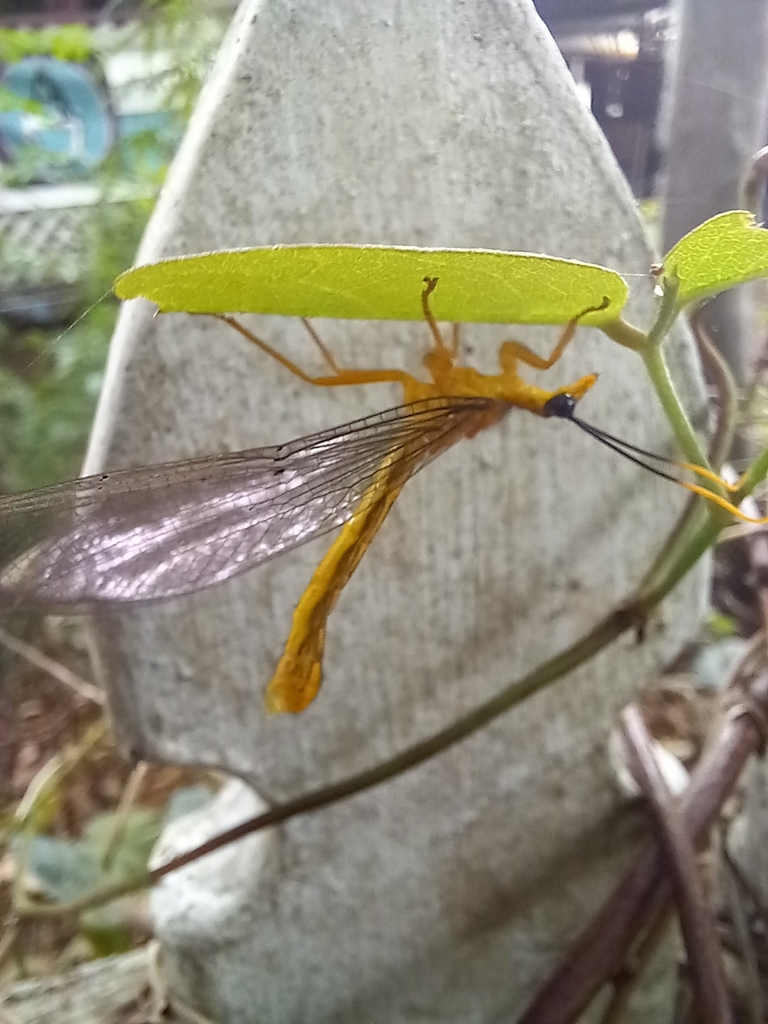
(60, 672)
(616, 623)
(128, 798)
(693, 515)
(625, 984)
(743, 935)
(626, 616)
(719, 373)
(8, 937)
(645, 890)
(746, 885)
(752, 187)
(696, 920)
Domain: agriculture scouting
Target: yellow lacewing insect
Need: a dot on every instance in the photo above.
(162, 531)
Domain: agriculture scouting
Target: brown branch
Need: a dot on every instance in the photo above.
(696, 922)
(625, 984)
(743, 936)
(643, 893)
(639, 905)
(745, 884)
(718, 372)
(758, 556)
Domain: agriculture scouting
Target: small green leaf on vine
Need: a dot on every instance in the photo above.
(724, 251)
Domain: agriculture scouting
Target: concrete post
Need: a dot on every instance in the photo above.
(449, 893)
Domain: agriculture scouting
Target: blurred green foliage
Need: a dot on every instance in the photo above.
(50, 379)
(66, 869)
(188, 30)
(65, 42)
(114, 847)
(26, 165)
(12, 101)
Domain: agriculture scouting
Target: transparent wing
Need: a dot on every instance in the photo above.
(161, 531)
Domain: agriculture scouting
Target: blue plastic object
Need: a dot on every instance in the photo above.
(70, 128)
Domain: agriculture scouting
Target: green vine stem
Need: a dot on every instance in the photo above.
(625, 334)
(658, 371)
(694, 533)
(650, 349)
(695, 515)
(656, 366)
(755, 475)
(605, 632)
(630, 614)
(667, 311)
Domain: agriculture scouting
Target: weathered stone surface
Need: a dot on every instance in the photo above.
(93, 993)
(449, 893)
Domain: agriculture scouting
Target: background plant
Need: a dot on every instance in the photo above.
(49, 380)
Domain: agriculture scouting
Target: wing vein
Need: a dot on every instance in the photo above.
(160, 531)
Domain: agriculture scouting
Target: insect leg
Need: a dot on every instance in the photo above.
(326, 352)
(341, 376)
(514, 351)
(283, 360)
(430, 283)
(455, 341)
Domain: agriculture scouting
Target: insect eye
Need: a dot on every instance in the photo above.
(561, 405)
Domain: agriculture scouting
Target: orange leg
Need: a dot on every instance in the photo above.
(341, 376)
(326, 352)
(455, 341)
(513, 351)
(430, 283)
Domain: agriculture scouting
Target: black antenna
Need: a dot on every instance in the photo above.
(626, 449)
(563, 406)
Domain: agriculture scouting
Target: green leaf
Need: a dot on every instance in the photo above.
(379, 283)
(722, 252)
(67, 42)
(65, 869)
(10, 100)
(138, 832)
(108, 930)
(721, 625)
(68, 868)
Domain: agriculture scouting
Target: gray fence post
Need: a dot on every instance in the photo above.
(449, 893)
